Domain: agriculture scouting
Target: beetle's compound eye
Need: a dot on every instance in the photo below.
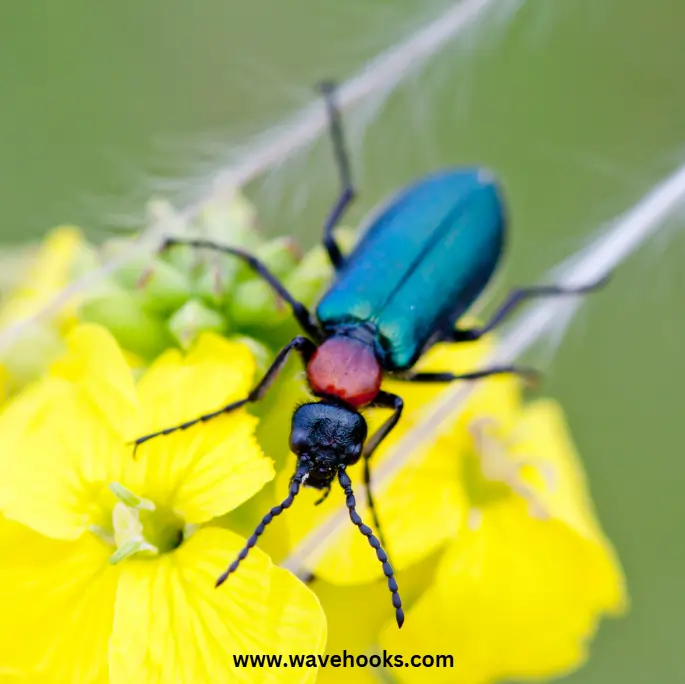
(354, 452)
(299, 440)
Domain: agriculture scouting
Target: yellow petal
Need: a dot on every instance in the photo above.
(171, 623)
(26, 412)
(516, 598)
(356, 615)
(96, 366)
(55, 469)
(542, 435)
(212, 467)
(57, 606)
(208, 470)
(4, 384)
(49, 271)
(179, 388)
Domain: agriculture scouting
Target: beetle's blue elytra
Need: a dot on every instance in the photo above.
(422, 261)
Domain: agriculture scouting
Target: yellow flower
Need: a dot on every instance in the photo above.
(50, 270)
(109, 563)
(519, 592)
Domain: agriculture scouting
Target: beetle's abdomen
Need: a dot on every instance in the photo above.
(425, 257)
(347, 369)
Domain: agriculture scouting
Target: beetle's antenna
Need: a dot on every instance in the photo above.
(298, 479)
(382, 556)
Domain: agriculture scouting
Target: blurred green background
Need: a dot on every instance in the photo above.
(578, 106)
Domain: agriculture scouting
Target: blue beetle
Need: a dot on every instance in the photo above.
(423, 259)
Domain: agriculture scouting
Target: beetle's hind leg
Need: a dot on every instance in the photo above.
(300, 311)
(342, 160)
(531, 375)
(517, 297)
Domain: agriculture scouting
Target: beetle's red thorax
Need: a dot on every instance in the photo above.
(347, 369)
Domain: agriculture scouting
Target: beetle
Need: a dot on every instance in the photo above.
(422, 261)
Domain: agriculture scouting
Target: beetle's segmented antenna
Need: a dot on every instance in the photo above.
(382, 556)
(298, 478)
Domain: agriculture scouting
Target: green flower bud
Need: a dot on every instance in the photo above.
(254, 304)
(280, 256)
(230, 220)
(214, 277)
(128, 275)
(163, 288)
(124, 314)
(314, 272)
(167, 222)
(193, 318)
(225, 221)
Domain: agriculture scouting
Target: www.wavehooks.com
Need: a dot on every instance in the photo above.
(344, 660)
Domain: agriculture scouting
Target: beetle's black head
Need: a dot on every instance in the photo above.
(325, 436)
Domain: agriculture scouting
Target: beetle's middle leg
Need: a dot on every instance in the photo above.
(517, 297)
(342, 160)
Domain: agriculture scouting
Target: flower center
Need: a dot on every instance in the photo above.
(141, 528)
(492, 475)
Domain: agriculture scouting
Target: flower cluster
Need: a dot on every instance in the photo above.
(150, 305)
(109, 561)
